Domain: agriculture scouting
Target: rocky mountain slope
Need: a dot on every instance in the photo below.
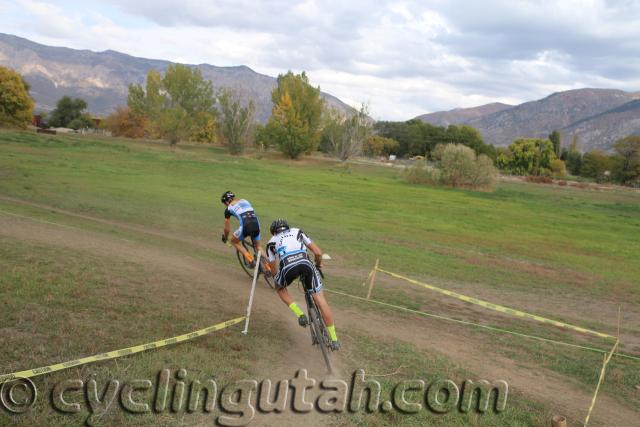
(102, 78)
(462, 115)
(598, 117)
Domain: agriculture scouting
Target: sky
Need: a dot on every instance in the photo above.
(401, 58)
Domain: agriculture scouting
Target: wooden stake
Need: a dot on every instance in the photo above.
(619, 317)
(559, 421)
(373, 278)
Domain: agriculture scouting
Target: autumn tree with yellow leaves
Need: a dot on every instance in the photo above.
(296, 117)
(16, 106)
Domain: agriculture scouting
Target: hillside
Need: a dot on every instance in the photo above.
(462, 115)
(604, 129)
(102, 78)
(591, 114)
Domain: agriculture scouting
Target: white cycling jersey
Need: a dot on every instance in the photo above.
(289, 242)
(290, 247)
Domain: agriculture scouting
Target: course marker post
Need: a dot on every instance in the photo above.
(253, 289)
(373, 278)
(559, 421)
(607, 359)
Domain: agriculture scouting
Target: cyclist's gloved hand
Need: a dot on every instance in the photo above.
(224, 238)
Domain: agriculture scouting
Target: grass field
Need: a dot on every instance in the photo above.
(564, 253)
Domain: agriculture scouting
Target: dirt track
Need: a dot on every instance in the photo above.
(455, 342)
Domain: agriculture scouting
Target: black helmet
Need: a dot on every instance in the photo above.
(227, 196)
(278, 225)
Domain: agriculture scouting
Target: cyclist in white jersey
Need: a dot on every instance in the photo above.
(249, 224)
(287, 253)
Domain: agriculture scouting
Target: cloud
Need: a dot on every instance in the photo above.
(49, 19)
(404, 57)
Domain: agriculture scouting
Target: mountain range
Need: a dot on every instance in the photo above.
(596, 117)
(102, 78)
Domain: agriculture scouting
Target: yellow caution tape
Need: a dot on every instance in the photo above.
(500, 308)
(478, 325)
(118, 353)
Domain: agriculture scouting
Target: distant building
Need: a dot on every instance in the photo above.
(37, 120)
(64, 130)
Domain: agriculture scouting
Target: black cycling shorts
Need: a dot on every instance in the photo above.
(250, 228)
(304, 270)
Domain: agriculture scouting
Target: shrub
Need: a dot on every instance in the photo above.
(456, 166)
(539, 179)
(558, 168)
(627, 167)
(421, 173)
(527, 156)
(597, 165)
(84, 121)
(69, 112)
(377, 145)
(123, 122)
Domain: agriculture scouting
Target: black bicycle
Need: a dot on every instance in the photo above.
(319, 334)
(247, 267)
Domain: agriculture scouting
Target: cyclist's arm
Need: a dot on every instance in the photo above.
(317, 253)
(271, 256)
(227, 223)
(227, 227)
(274, 265)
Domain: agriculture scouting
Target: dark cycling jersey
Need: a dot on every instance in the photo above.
(249, 224)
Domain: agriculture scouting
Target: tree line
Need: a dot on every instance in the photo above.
(418, 138)
(545, 157)
(180, 105)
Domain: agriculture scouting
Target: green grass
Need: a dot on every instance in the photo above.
(391, 361)
(64, 304)
(522, 239)
(586, 239)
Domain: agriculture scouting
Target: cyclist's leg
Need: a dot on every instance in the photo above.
(314, 283)
(283, 279)
(254, 232)
(284, 295)
(255, 239)
(324, 308)
(236, 241)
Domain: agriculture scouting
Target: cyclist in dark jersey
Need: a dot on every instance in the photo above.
(287, 253)
(249, 224)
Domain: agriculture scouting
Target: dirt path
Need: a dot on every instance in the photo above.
(563, 394)
(573, 306)
(299, 356)
(558, 392)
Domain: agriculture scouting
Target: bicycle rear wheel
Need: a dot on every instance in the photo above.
(247, 268)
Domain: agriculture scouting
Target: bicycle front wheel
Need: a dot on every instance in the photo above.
(243, 262)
